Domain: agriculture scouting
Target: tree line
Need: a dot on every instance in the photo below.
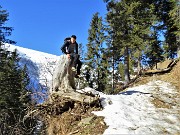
(133, 33)
(15, 99)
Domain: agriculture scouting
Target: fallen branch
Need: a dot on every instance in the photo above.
(162, 71)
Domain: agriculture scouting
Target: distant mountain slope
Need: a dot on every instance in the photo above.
(40, 66)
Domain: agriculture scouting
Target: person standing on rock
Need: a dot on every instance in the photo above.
(70, 48)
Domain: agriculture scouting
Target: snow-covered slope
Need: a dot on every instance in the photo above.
(40, 66)
(132, 111)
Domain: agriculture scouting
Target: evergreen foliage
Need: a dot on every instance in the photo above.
(14, 96)
(154, 52)
(134, 31)
(97, 64)
(168, 16)
(130, 22)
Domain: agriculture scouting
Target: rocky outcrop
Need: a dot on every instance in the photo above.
(63, 76)
(63, 84)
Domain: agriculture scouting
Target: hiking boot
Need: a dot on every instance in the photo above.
(77, 76)
(73, 69)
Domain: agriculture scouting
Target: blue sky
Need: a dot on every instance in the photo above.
(43, 24)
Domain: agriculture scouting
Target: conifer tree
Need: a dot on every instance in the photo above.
(170, 36)
(130, 21)
(167, 13)
(173, 30)
(96, 65)
(113, 55)
(154, 52)
(14, 97)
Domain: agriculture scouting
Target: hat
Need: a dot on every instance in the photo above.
(73, 36)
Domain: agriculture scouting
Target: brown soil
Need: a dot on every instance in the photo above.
(68, 122)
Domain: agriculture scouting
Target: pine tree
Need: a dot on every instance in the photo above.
(173, 32)
(113, 55)
(154, 52)
(96, 64)
(167, 12)
(14, 97)
(130, 22)
(171, 29)
(81, 51)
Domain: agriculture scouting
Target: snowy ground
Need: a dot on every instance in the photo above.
(132, 112)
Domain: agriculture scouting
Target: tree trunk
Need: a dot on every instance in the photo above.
(178, 49)
(139, 64)
(178, 36)
(63, 83)
(126, 65)
(63, 76)
(113, 72)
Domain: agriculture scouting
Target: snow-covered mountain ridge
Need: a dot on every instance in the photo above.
(40, 65)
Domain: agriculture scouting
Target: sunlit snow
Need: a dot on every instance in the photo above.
(40, 65)
(132, 112)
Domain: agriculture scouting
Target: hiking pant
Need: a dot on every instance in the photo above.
(74, 59)
(79, 64)
(75, 62)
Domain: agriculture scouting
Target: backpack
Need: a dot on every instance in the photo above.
(64, 50)
(67, 39)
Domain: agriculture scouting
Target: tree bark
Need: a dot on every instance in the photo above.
(63, 76)
(126, 65)
(178, 49)
(63, 83)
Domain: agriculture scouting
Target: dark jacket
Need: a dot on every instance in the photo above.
(69, 47)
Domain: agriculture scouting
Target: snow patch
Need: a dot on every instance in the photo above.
(132, 112)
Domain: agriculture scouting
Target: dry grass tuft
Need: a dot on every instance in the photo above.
(173, 77)
(160, 104)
